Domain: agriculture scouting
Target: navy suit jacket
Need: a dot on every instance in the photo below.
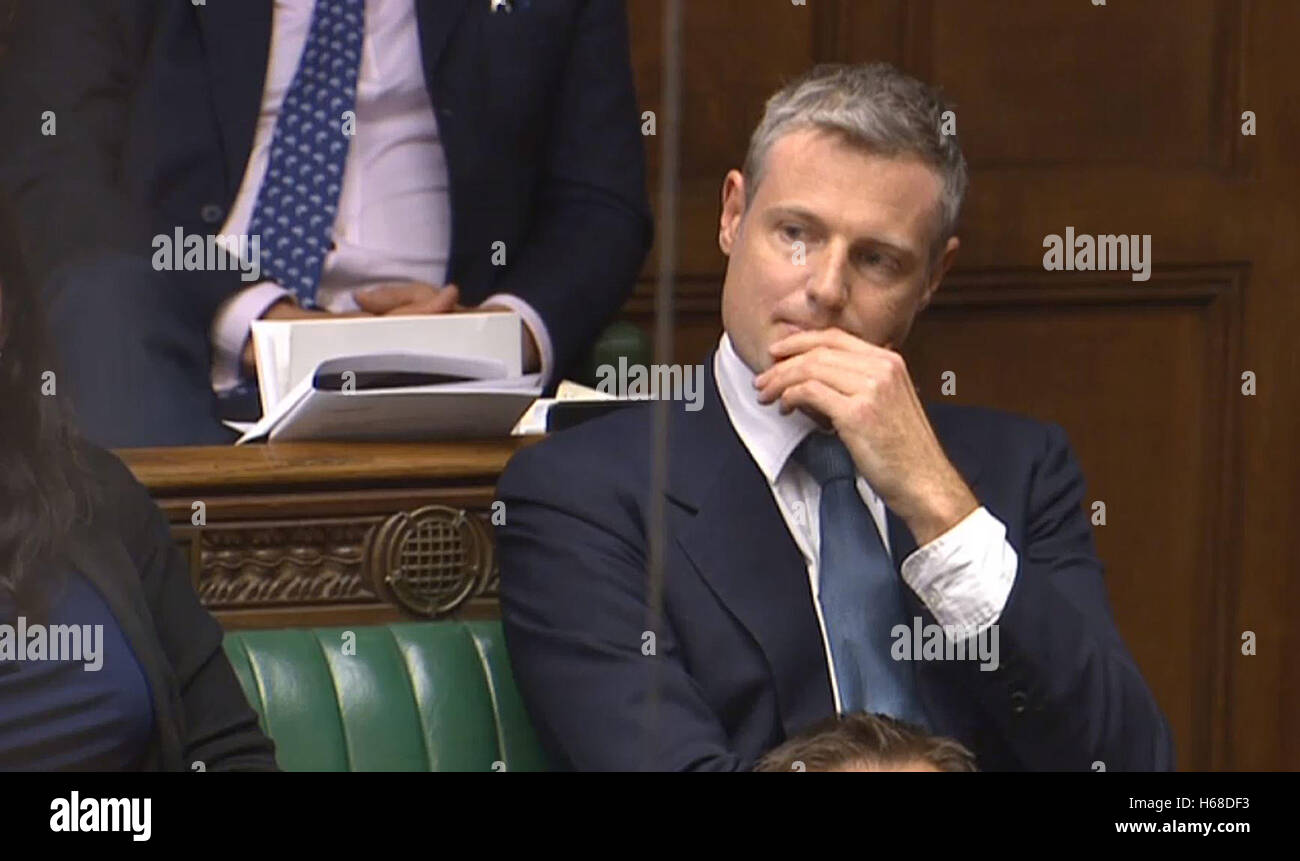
(156, 104)
(738, 663)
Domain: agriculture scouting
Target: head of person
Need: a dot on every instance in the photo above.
(42, 487)
(866, 742)
(845, 212)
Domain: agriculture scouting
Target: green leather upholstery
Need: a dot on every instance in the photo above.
(619, 340)
(419, 696)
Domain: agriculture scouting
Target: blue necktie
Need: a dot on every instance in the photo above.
(861, 594)
(298, 200)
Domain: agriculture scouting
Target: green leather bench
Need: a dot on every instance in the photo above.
(417, 696)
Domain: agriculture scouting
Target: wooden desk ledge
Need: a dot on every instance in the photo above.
(318, 465)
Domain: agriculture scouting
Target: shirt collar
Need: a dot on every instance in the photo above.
(769, 436)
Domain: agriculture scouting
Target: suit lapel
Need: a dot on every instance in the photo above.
(437, 19)
(901, 542)
(930, 678)
(237, 41)
(742, 547)
(739, 542)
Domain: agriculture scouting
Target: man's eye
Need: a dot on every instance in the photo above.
(875, 259)
(792, 232)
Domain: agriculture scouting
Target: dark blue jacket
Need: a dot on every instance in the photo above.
(739, 664)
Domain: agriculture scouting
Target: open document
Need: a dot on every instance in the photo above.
(390, 378)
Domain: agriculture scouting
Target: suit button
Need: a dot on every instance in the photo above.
(1018, 701)
(211, 213)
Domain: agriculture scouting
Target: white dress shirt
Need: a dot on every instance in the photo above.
(394, 213)
(964, 576)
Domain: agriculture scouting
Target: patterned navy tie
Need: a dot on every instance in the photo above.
(860, 594)
(298, 200)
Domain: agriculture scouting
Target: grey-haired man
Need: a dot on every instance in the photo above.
(822, 523)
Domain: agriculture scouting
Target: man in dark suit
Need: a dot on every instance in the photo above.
(821, 523)
(446, 153)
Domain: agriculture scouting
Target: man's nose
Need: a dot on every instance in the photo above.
(828, 283)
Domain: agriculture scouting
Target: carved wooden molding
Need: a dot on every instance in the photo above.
(428, 561)
(244, 565)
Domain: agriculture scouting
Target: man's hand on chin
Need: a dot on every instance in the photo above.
(867, 395)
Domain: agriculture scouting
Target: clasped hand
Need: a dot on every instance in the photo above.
(865, 393)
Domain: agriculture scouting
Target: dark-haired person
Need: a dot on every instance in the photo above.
(862, 741)
(82, 544)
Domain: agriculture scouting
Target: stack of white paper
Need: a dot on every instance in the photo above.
(343, 379)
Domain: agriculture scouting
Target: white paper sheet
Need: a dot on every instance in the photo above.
(290, 350)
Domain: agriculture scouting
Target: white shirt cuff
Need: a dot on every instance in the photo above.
(230, 330)
(965, 575)
(533, 321)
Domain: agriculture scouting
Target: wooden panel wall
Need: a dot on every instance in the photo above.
(1124, 118)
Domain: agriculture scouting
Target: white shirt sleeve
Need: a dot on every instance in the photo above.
(533, 321)
(965, 575)
(230, 330)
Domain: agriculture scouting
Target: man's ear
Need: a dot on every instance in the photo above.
(936, 274)
(733, 210)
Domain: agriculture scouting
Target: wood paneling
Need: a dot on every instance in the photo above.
(737, 52)
(1138, 83)
(1144, 384)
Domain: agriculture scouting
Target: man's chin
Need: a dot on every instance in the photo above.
(757, 363)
